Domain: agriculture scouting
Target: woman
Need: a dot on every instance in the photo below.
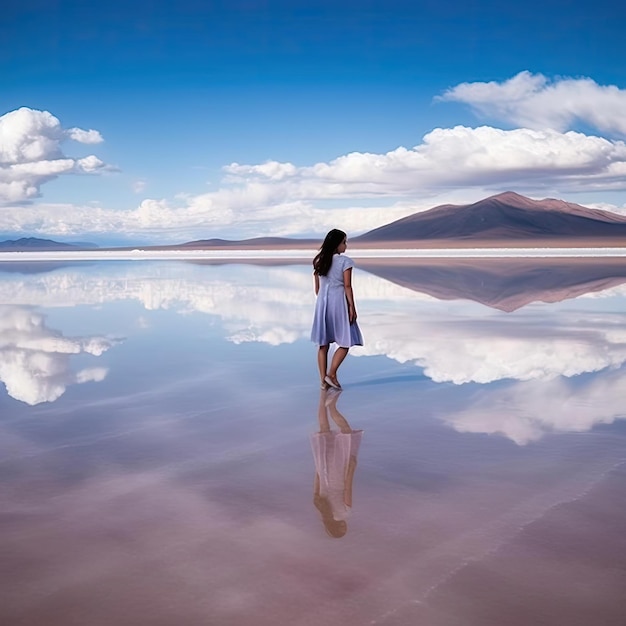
(335, 312)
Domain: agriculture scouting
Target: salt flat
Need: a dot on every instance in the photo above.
(452, 253)
(157, 466)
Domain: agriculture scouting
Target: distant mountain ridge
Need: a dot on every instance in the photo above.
(271, 242)
(504, 216)
(506, 219)
(25, 244)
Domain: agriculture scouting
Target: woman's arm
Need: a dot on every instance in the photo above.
(317, 282)
(347, 286)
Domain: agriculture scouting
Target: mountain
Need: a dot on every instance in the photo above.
(506, 219)
(33, 244)
(504, 284)
(257, 242)
(506, 216)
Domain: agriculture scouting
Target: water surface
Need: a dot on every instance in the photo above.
(157, 466)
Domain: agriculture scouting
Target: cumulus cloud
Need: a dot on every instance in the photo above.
(482, 159)
(31, 155)
(84, 136)
(35, 360)
(448, 157)
(198, 217)
(534, 101)
(356, 191)
(525, 412)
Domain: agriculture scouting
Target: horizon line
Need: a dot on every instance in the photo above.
(300, 254)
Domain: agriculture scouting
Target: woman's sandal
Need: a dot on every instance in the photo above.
(334, 383)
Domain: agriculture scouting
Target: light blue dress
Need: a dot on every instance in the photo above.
(331, 323)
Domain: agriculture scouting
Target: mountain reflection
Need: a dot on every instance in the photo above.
(335, 455)
(504, 284)
(35, 360)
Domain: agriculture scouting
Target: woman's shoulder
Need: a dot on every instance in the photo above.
(346, 262)
(341, 263)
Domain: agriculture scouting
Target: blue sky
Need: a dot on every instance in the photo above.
(247, 118)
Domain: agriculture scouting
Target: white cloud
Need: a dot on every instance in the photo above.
(35, 360)
(447, 157)
(282, 199)
(31, 155)
(356, 191)
(533, 101)
(270, 169)
(88, 165)
(201, 217)
(84, 136)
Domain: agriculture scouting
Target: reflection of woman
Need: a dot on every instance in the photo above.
(335, 454)
(335, 312)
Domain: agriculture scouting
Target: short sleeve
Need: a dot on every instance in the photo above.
(348, 263)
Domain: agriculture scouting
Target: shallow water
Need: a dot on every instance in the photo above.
(157, 467)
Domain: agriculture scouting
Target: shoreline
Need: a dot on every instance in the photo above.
(307, 253)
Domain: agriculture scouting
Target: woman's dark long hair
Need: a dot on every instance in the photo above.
(324, 258)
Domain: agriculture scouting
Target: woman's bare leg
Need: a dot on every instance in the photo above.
(338, 417)
(322, 362)
(338, 357)
(322, 413)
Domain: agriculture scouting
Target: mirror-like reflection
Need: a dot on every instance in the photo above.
(489, 489)
(505, 284)
(456, 341)
(527, 411)
(335, 454)
(35, 359)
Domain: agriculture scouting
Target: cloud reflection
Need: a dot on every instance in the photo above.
(456, 341)
(460, 350)
(525, 412)
(35, 360)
